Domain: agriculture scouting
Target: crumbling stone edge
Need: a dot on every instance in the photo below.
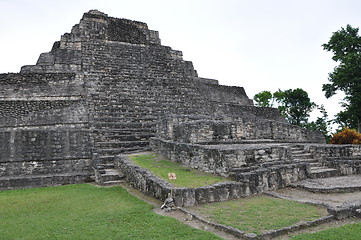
(328, 190)
(250, 183)
(347, 210)
(231, 230)
(151, 185)
(269, 234)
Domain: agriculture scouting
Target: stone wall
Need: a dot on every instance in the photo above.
(272, 177)
(346, 166)
(254, 182)
(325, 151)
(40, 153)
(204, 129)
(225, 94)
(220, 159)
(43, 130)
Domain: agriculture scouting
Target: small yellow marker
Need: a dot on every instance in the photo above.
(172, 176)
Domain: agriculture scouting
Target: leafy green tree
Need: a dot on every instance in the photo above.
(263, 99)
(322, 124)
(294, 105)
(297, 106)
(279, 97)
(345, 45)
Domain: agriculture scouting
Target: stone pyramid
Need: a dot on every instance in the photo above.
(101, 91)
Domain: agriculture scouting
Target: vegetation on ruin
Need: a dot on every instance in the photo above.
(296, 106)
(185, 176)
(85, 212)
(349, 232)
(346, 136)
(345, 45)
(259, 213)
(293, 104)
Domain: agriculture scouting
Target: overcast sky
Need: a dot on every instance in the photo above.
(259, 45)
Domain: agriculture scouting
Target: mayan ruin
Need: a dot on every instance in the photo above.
(109, 88)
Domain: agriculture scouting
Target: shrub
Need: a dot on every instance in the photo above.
(346, 136)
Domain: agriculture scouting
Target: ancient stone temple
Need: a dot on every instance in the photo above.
(101, 91)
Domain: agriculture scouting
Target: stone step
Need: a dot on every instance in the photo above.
(339, 184)
(115, 137)
(144, 102)
(107, 163)
(116, 151)
(130, 114)
(127, 116)
(109, 174)
(112, 182)
(139, 119)
(107, 160)
(121, 97)
(309, 160)
(323, 172)
(314, 164)
(30, 181)
(121, 144)
(122, 125)
(297, 147)
(302, 155)
(124, 131)
(298, 151)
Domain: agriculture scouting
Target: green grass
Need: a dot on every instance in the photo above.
(186, 177)
(85, 212)
(259, 213)
(346, 232)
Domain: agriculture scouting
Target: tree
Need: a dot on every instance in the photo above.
(279, 97)
(345, 45)
(322, 124)
(263, 99)
(294, 105)
(297, 106)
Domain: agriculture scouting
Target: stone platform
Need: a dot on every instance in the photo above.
(341, 205)
(341, 184)
(330, 199)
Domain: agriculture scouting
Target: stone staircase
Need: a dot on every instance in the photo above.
(118, 131)
(317, 170)
(125, 114)
(107, 174)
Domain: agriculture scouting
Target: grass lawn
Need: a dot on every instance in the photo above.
(85, 212)
(346, 232)
(259, 213)
(186, 177)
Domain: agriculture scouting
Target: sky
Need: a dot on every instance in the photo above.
(256, 44)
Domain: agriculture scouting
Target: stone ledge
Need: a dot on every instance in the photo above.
(342, 211)
(341, 184)
(231, 230)
(46, 180)
(346, 210)
(267, 235)
(152, 185)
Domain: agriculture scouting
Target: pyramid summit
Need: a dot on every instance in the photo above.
(107, 88)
